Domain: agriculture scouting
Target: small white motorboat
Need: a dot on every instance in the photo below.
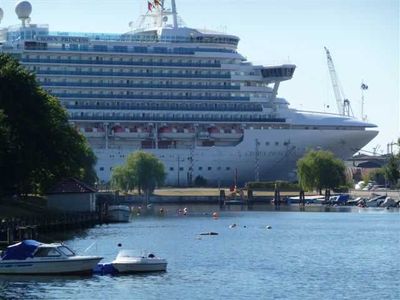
(127, 262)
(35, 258)
(119, 213)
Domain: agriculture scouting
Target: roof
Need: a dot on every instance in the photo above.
(21, 251)
(71, 185)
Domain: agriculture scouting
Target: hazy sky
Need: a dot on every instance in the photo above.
(362, 35)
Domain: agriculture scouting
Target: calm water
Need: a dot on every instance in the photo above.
(306, 255)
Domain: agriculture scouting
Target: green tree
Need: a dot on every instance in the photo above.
(142, 170)
(41, 145)
(320, 170)
(391, 169)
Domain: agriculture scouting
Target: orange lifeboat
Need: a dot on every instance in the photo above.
(132, 132)
(225, 133)
(93, 132)
(176, 133)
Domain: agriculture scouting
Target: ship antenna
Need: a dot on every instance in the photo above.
(174, 13)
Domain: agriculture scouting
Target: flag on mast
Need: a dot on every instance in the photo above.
(150, 6)
(364, 86)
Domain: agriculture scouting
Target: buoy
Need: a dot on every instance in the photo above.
(268, 227)
(119, 245)
(215, 214)
(232, 225)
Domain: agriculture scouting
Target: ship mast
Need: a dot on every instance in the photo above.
(174, 13)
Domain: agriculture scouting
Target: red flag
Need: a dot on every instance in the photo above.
(149, 6)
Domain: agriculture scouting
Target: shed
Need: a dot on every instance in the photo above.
(72, 195)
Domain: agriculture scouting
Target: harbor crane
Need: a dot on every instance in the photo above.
(343, 104)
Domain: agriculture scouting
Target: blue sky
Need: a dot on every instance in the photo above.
(362, 35)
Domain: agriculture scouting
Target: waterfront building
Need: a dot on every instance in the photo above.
(183, 94)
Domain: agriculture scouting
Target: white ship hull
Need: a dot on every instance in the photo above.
(275, 157)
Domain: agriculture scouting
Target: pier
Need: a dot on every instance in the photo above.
(17, 229)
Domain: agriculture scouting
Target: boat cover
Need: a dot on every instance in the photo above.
(20, 251)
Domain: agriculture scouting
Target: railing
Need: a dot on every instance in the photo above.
(160, 107)
(133, 74)
(147, 86)
(121, 63)
(145, 50)
(146, 97)
(254, 119)
(137, 37)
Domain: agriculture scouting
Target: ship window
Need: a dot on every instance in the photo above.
(266, 143)
(171, 169)
(65, 250)
(228, 168)
(276, 143)
(181, 169)
(101, 168)
(46, 252)
(200, 168)
(209, 168)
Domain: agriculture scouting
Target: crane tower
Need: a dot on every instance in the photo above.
(343, 104)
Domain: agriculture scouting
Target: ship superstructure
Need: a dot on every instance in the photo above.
(183, 94)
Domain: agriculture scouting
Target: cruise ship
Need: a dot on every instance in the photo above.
(186, 95)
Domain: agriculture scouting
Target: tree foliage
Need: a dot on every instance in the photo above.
(391, 169)
(142, 170)
(320, 170)
(38, 145)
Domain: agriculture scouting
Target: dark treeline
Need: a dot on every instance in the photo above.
(38, 146)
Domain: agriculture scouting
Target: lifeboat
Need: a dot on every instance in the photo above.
(176, 133)
(130, 132)
(225, 133)
(93, 132)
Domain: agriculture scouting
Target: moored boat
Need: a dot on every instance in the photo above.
(127, 262)
(34, 258)
(119, 213)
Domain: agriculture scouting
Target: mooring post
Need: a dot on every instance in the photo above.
(277, 196)
(221, 199)
(301, 198)
(250, 199)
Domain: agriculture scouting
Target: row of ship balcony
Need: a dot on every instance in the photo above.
(141, 86)
(165, 132)
(133, 74)
(149, 97)
(33, 46)
(156, 106)
(177, 118)
(120, 63)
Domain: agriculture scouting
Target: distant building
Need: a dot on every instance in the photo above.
(72, 195)
(360, 165)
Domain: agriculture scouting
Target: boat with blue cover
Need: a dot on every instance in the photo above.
(35, 258)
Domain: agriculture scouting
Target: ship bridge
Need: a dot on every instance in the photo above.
(278, 73)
